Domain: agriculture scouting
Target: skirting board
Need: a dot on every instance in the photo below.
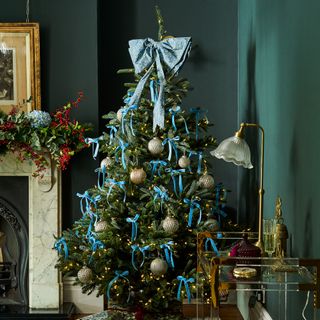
(84, 303)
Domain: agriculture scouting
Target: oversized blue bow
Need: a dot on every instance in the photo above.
(142, 250)
(184, 281)
(170, 52)
(156, 166)
(122, 146)
(175, 172)
(101, 172)
(200, 155)
(197, 112)
(193, 204)
(120, 184)
(113, 131)
(173, 112)
(162, 194)
(124, 112)
(95, 145)
(89, 201)
(172, 145)
(134, 228)
(168, 253)
(213, 245)
(62, 243)
(122, 275)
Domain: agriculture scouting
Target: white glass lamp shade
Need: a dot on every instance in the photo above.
(236, 150)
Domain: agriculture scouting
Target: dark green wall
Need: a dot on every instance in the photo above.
(279, 71)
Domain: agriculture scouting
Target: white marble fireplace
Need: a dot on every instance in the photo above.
(45, 288)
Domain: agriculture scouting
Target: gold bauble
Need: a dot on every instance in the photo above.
(170, 225)
(158, 267)
(137, 176)
(106, 162)
(184, 162)
(101, 226)
(206, 181)
(155, 146)
(212, 225)
(85, 275)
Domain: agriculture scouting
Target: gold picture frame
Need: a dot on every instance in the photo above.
(20, 66)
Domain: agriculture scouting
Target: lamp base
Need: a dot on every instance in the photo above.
(260, 245)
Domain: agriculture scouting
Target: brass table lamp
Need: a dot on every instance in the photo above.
(236, 150)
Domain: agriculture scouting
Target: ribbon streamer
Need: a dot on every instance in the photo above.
(162, 194)
(119, 184)
(168, 253)
(123, 147)
(119, 275)
(173, 173)
(144, 53)
(197, 112)
(134, 228)
(171, 145)
(200, 155)
(88, 201)
(142, 250)
(124, 112)
(95, 145)
(153, 92)
(218, 208)
(193, 204)
(173, 112)
(157, 165)
(101, 172)
(62, 243)
(213, 245)
(186, 282)
(112, 134)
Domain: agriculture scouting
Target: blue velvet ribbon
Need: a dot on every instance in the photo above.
(144, 53)
(197, 112)
(156, 166)
(88, 201)
(193, 204)
(101, 172)
(124, 112)
(128, 98)
(162, 194)
(185, 282)
(112, 134)
(95, 145)
(174, 173)
(213, 245)
(171, 145)
(134, 228)
(122, 146)
(168, 253)
(62, 243)
(153, 91)
(119, 275)
(119, 184)
(200, 155)
(173, 112)
(142, 250)
(218, 207)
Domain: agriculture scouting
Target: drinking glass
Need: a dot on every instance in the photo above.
(269, 238)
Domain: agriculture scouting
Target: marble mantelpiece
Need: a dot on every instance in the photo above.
(45, 286)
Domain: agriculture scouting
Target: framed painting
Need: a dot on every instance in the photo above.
(19, 66)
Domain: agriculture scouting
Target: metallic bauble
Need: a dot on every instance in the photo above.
(158, 267)
(211, 225)
(106, 162)
(137, 176)
(101, 226)
(155, 146)
(184, 162)
(85, 275)
(206, 181)
(170, 225)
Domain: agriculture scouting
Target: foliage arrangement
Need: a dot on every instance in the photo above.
(136, 240)
(30, 134)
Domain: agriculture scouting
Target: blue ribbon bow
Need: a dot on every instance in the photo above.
(156, 166)
(213, 245)
(62, 243)
(88, 201)
(200, 155)
(122, 146)
(173, 112)
(95, 145)
(124, 112)
(101, 172)
(197, 112)
(186, 282)
(173, 173)
(119, 184)
(193, 204)
(162, 194)
(172, 145)
(168, 253)
(218, 207)
(134, 228)
(119, 275)
(113, 131)
(170, 52)
(142, 250)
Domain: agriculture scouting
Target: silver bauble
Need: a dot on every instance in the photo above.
(155, 146)
(184, 162)
(158, 267)
(170, 225)
(137, 176)
(106, 162)
(85, 275)
(211, 225)
(206, 181)
(119, 114)
(101, 226)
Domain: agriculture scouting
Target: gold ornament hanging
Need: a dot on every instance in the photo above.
(138, 176)
(155, 146)
(206, 181)
(85, 275)
(106, 162)
(101, 226)
(158, 267)
(170, 225)
(184, 162)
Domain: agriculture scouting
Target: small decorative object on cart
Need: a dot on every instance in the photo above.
(281, 231)
(244, 272)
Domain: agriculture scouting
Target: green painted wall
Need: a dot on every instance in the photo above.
(279, 71)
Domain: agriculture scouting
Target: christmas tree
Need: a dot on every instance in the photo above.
(136, 240)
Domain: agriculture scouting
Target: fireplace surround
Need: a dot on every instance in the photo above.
(45, 285)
